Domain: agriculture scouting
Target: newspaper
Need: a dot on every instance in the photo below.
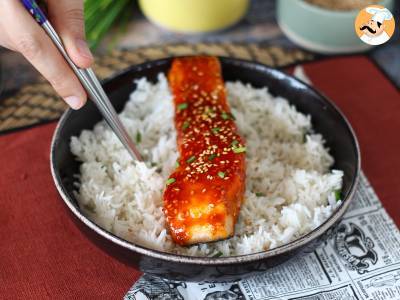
(359, 260)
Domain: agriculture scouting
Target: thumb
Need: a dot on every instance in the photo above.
(68, 19)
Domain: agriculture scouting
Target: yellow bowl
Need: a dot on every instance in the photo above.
(194, 16)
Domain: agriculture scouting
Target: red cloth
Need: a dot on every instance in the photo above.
(372, 105)
(44, 255)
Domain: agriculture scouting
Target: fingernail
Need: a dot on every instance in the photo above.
(74, 102)
(83, 48)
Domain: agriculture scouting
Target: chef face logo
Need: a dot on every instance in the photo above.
(374, 25)
(355, 248)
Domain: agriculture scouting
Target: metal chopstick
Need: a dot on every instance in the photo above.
(88, 80)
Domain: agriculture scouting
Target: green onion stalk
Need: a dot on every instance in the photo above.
(101, 15)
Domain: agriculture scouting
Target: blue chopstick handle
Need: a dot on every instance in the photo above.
(34, 10)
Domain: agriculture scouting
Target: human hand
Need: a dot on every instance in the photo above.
(20, 32)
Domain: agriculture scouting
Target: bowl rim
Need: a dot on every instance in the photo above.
(336, 13)
(200, 260)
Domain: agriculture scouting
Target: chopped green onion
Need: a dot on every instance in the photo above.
(182, 106)
(138, 137)
(221, 174)
(89, 208)
(209, 112)
(234, 143)
(338, 195)
(185, 125)
(170, 181)
(225, 116)
(212, 156)
(153, 164)
(101, 15)
(191, 159)
(216, 130)
(218, 254)
(176, 164)
(239, 150)
(260, 194)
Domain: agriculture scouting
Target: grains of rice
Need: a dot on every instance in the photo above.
(290, 188)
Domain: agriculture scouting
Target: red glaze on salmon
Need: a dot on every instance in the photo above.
(203, 195)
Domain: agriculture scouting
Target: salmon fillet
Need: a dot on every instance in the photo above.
(203, 195)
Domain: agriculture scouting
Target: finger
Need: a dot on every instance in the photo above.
(67, 18)
(27, 37)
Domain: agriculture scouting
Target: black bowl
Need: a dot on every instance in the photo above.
(326, 119)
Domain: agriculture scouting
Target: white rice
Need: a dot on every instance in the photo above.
(286, 162)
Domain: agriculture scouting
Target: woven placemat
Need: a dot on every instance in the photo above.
(38, 103)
